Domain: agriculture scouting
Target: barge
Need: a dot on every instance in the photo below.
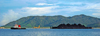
(73, 26)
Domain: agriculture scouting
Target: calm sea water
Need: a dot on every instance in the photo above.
(50, 32)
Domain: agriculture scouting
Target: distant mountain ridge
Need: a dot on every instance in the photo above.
(47, 21)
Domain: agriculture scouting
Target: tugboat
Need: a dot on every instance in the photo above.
(73, 26)
(17, 27)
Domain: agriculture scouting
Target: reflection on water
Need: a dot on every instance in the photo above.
(41, 33)
(50, 32)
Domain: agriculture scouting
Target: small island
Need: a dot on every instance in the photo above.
(73, 26)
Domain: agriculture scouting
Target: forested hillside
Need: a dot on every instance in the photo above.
(47, 21)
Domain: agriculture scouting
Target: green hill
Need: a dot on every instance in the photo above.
(47, 21)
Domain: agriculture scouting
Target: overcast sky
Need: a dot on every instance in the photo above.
(11, 10)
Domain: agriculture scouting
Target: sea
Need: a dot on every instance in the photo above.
(50, 32)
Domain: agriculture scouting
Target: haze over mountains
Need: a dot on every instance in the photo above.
(47, 21)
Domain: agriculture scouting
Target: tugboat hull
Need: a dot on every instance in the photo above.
(18, 28)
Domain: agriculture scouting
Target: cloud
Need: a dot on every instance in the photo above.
(38, 10)
(43, 4)
(19, 3)
(13, 15)
(80, 7)
(96, 14)
(10, 16)
(92, 5)
(70, 3)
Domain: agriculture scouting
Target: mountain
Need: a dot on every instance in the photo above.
(47, 21)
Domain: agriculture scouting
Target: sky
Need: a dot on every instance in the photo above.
(12, 10)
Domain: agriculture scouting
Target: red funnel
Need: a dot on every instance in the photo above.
(19, 26)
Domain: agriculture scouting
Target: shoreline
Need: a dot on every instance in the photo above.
(42, 28)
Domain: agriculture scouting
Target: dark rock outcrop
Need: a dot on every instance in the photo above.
(73, 26)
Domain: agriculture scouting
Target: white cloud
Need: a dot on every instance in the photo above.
(92, 6)
(96, 14)
(38, 10)
(98, 10)
(10, 16)
(43, 4)
(13, 15)
(87, 6)
(71, 3)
